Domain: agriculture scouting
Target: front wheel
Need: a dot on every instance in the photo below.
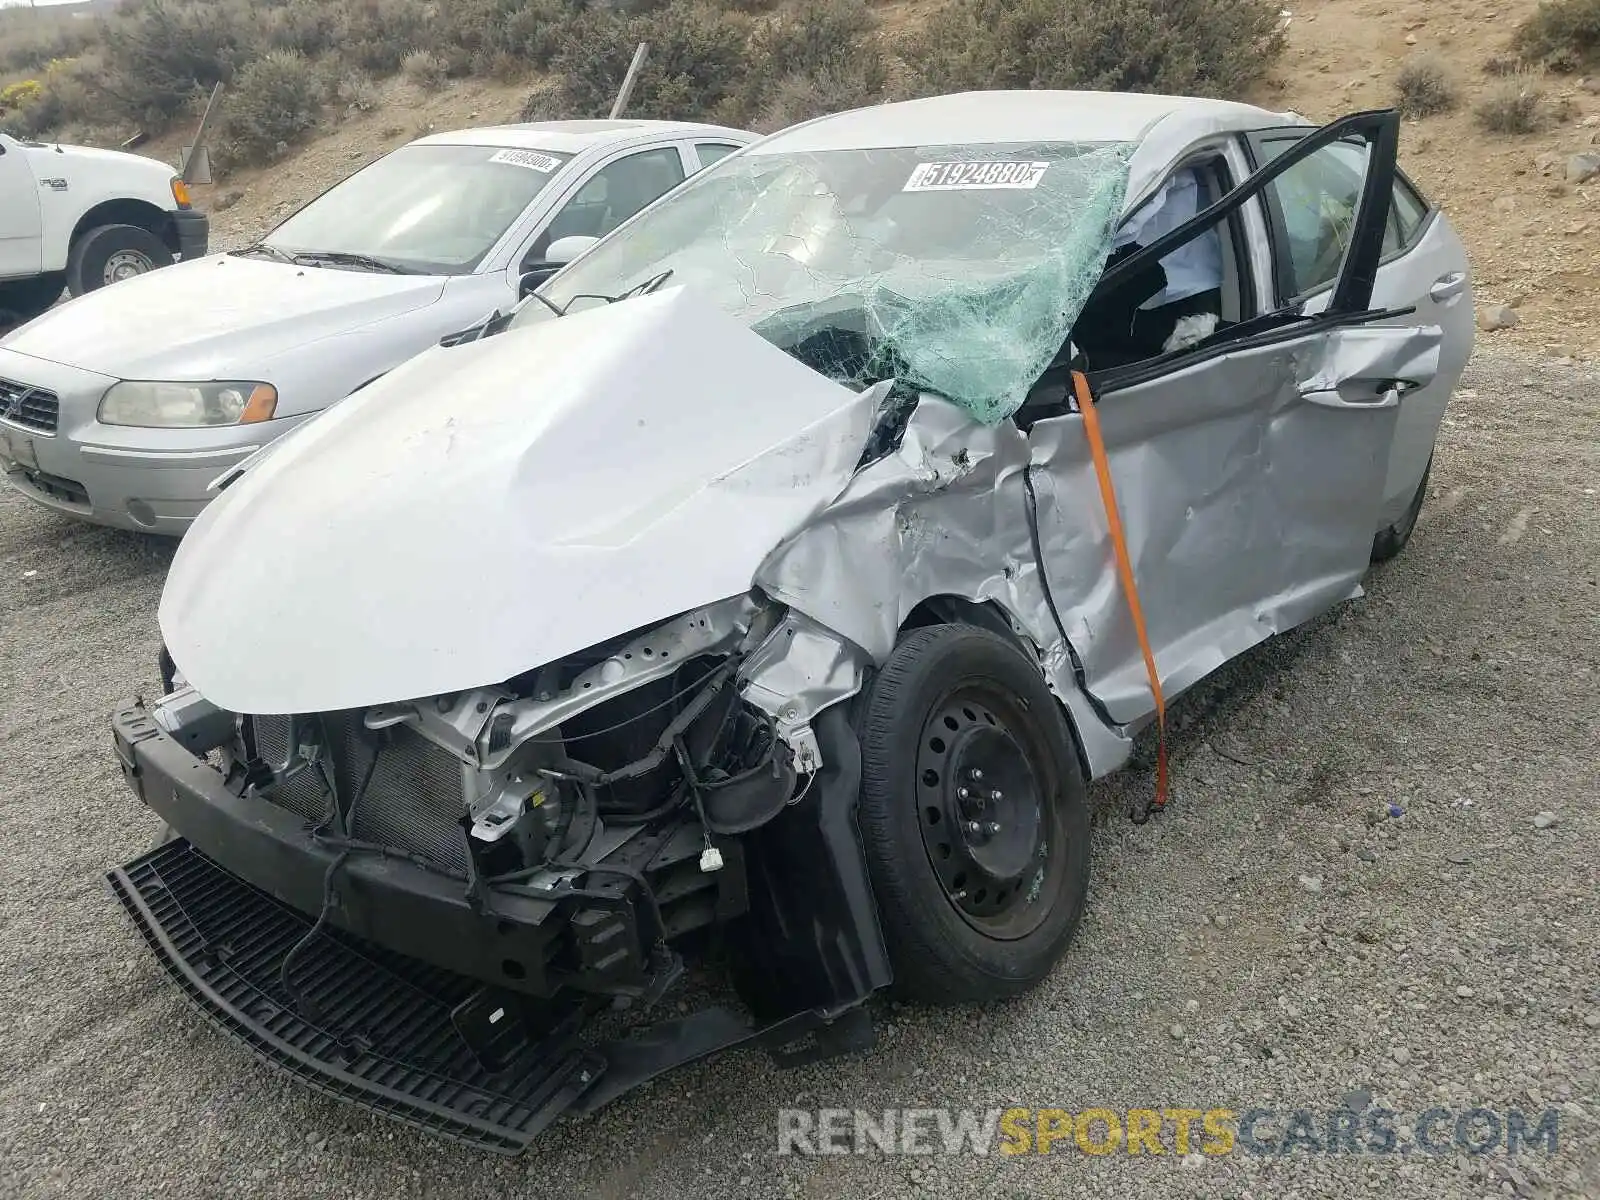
(112, 253)
(973, 816)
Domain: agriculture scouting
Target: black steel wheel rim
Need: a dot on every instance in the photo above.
(983, 790)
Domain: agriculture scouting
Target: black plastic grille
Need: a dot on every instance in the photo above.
(414, 801)
(383, 1036)
(30, 407)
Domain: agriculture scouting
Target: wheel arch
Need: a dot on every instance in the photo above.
(127, 211)
(990, 615)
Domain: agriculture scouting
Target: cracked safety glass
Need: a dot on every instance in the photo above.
(954, 269)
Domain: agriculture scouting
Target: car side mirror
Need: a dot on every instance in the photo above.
(533, 277)
(564, 250)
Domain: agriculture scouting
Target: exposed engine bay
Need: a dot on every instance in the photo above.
(618, 779)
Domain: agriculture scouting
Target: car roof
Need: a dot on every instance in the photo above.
(1163, 128)
(573, 137)
(1016, 116)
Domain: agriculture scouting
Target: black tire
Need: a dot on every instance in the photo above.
(24, 299)
(1390, 541)
(990, 913)
(101, 253)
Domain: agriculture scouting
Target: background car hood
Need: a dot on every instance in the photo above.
(215, 317)
(486, 509)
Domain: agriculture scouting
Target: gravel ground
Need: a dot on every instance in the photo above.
(1277, 940)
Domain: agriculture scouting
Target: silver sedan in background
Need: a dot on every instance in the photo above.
(121, 407)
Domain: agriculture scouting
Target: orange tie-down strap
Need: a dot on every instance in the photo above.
(1119, 546)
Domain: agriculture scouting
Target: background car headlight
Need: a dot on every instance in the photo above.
(190, 405)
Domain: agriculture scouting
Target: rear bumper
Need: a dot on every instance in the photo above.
(194, 233)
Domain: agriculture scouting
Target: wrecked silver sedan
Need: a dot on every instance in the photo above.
(782, 570)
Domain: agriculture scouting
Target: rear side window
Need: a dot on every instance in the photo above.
(713, 152)
(1410, 210)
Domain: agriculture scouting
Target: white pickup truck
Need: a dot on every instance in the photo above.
(80, 218)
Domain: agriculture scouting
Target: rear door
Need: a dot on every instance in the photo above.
(20, 246)
(1248, 468)
(1423, 265)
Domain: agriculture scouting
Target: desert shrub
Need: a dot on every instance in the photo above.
(425, 68)
(1515, 106)
(1424, 87)
(311, 27)
(801, 97)
(794, 59)
(696, 54)
(24, 91)
(158, 54)
(30, 38)
(274, 102)
(357, 92)
(1563, 35)
(1186, 47)
(380, 33)
(506, 37)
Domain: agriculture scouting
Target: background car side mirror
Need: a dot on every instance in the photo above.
(559, 253)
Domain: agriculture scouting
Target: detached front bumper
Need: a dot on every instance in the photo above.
(387, 900)
(426, 1038)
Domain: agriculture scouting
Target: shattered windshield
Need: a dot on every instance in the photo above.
(957, 269)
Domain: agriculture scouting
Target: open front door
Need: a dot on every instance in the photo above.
(1249, 468)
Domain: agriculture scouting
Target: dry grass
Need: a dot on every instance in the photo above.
(1424, 87)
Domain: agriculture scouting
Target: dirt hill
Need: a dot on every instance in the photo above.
(1534, 234)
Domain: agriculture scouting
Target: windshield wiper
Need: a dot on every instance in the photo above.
(268, 251)
(344, 259)
(642, 289)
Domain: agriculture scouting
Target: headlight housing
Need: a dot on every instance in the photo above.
(187, 405)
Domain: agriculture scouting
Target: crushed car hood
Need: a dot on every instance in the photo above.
(487, 509)
(216, 317)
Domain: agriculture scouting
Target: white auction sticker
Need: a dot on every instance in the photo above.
(531, 159)
(973, 176)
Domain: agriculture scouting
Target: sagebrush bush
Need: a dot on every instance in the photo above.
(794, 59)
(1424, 87)
(274, 102)
(802, 97)
(1186, 47)
(696, 55)
(30, 38)
(1563, 35)
(358, 92)
(425, 68)
(1516, 106)
(160, 54)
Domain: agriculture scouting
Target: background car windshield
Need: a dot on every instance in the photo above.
(435, 209)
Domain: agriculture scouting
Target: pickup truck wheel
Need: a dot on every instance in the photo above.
(24, 299)
(973, 816)
(111, 253)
